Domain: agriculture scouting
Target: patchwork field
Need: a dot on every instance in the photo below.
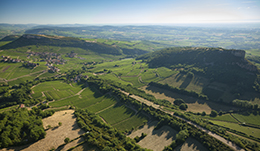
(87, 97)
(131, 71)
(55, 90)
(15, 73)
(155, 139)
(114, 113)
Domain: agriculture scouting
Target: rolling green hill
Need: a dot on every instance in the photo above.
(43, 40)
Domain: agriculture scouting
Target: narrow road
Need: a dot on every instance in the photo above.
(225, 141)
(26, 75)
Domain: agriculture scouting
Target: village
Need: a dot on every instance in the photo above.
(28, 64)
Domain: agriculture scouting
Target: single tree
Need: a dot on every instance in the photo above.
(67, 140)
(213, 113)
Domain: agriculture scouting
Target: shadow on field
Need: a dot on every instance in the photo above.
(190, 100)
(165, 129)
(186, 82)
(191, 144)
(97, 94)
(178, 77)
(128, 110)
(18, 148)
(60, 147)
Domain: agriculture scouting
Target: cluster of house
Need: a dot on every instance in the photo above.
(8, 59)
(49, 57)
(78, 78)
(30, 64)
(52, 68)
(71, 54)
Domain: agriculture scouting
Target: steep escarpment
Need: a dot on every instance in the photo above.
(228, 66)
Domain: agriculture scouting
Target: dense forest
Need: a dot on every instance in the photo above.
(20, 126)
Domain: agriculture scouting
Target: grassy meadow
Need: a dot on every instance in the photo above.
(248, 130)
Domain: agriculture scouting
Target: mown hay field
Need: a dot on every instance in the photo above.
(155, 139)
(191, 145)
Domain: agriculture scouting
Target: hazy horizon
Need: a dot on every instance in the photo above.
(116, 12)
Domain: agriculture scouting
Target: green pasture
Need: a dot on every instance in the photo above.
(133, 121)
(64, 102)
(133, 80)
(248, 119)
(56, 89)
(89, 96)
(113, 77)
(255, 52)
(2, 43)
(47, 74)
(106, 102)
(165, 72)
(149, 75)
(23, 79)
(116, 114)
(248, 130)
(225, 117)
(123, 66)
(12, 53)
(10, 71)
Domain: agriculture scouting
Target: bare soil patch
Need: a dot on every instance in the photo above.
(191, 145)
(56, 135)
(155, 139)
(71, 144)
(197, 107)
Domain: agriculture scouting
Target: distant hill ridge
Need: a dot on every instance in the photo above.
(30, 39)
(33, 39)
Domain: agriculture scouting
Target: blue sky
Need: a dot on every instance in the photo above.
(128, 11)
